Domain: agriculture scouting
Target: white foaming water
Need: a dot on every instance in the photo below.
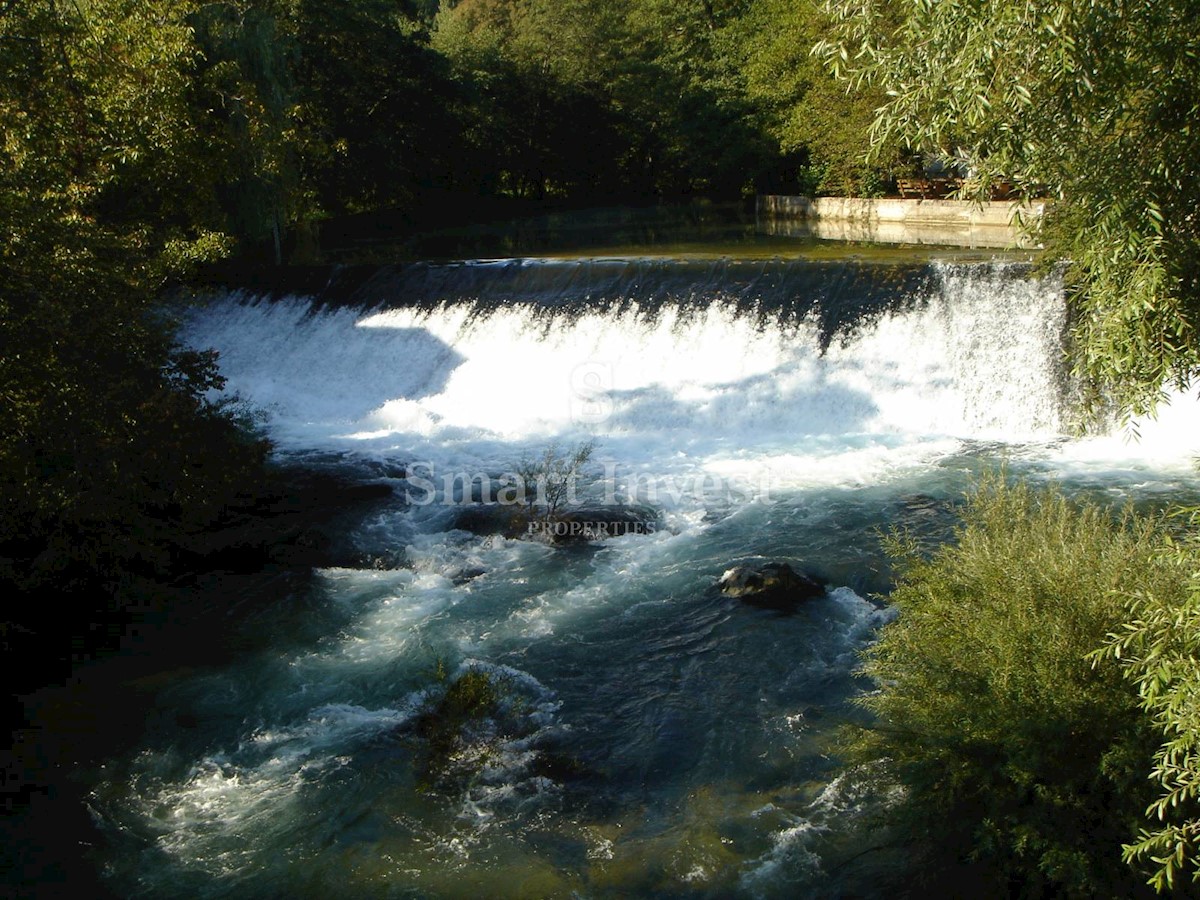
(688, 389)
(645, 717)
(977, 358)
(216, 817)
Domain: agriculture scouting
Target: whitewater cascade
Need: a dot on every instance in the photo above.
(653, 737)
(969, 351)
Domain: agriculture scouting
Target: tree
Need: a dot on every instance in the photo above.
(810, 114)
(584, 99)
(694, 132)
(1159, 648)
(1015, 752)
(375, 101)
(1090, 104)
(109, 448)
(549, 479)
(539, 119)
(244, 82)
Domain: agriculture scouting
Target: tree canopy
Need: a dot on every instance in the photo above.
(1090, 104)
(109, 448)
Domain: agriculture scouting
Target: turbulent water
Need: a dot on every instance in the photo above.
(651, 737)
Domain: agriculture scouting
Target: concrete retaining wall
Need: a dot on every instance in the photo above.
(962, 222)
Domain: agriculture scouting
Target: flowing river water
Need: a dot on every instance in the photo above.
(651, 737)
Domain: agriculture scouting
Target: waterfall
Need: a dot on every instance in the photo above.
(656, 736)
(657, 350)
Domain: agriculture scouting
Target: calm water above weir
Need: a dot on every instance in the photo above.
(710, 231)
(649, 737)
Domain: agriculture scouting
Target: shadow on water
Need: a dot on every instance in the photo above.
(356, 353)
(813, 403)
(839, 296)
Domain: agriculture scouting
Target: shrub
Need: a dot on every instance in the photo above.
(1019, 756)
(458, 734)
(549, 480)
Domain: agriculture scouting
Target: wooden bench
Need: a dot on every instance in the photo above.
(909, 187)
(927, 187)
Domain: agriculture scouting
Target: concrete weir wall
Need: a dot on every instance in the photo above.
(947, 222)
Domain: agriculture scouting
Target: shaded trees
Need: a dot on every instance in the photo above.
(109, 449)
(695, 132)
(815, 121)
(243, 89)
(648, 99)
(376, 104)
(537, 113)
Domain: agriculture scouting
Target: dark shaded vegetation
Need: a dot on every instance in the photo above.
(1023, 757)
(457, 734)
(464, 727)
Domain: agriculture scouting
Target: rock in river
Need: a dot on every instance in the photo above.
(770, 584)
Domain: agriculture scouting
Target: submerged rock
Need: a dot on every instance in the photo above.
(596, 524)
(486, 519)
(565, 527)
(464, 574)
(770, 584)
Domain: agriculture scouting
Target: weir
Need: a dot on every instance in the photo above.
(534, 348)
(634, 731)
(890, 220)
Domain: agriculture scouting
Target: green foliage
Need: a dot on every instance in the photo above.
(244, 82)
(110, 452)
(534, 111)
(1094, 106)
(806, 110)
(695, 131)
(1090, 104)
(375, 102)
(585, 99)
(471, 695)
(458, 732)
(1016, 752)
(1159, 649)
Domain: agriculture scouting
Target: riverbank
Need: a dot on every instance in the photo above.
(229, 586)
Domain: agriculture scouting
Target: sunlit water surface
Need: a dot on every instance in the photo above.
(653, 737)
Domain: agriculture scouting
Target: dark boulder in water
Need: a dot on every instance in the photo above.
(486, 519)
(776, 585)
(465, 574)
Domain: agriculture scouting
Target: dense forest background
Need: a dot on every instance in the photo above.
(324, 109)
